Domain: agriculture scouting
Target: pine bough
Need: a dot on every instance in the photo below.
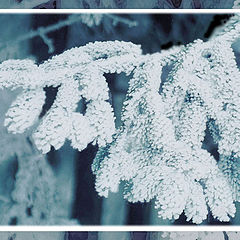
(158, 151)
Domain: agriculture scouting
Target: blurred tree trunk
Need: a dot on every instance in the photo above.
(114, 208)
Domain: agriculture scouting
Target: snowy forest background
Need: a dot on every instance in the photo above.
(72, 169)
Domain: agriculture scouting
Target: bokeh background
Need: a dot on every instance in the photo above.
(74, 181)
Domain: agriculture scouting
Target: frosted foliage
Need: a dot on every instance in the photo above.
(24, 111)
(78, 74)
(158, 152)
(200, 235)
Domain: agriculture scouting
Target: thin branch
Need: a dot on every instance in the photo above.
(116, 19)
(42, 32)
(48, 41)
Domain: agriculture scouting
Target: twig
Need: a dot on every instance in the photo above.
(42, 32)
(116, 19)
(47, 40)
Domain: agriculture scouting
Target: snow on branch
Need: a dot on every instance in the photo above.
(158, 152)
(78, 73)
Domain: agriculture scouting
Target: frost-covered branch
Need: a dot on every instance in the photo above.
(73, 72)
(158, 152)
(116, 19)
(174, 96)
